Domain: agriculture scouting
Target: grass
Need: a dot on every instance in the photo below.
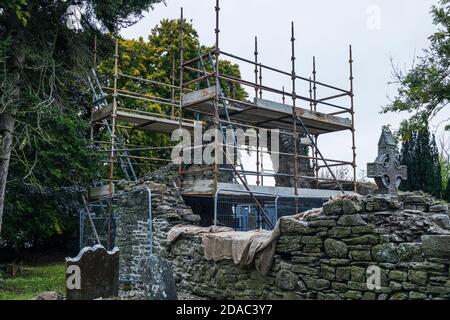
(33, 281)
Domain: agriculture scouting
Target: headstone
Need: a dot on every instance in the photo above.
(158, 280)
(386, 170)
(93, 274)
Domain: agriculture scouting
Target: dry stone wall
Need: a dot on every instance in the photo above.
(328, 254)
(134, 227)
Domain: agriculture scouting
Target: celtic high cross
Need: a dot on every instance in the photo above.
(386, 170)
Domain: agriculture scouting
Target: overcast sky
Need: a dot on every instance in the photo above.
(377, 30)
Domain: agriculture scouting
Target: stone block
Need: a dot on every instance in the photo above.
(353, 295)
(286, 280)
(343, 273)
(352, 205)
(321, 223)
(399, 276)
(418, 277)
(317, 284)
(436, 246)
(385, 253)
(365, 239)
(360, 255)
(335, 248)
(339, 232)
(333, 207)
(327, 272)
(408, 252)
(305, 270)
(290, 226)
(399, 296)
(311, 240)
(358, 274)
(362, 229)
(369, 296)
(442, 220)
(417, 296)
(439, 207)
(351, 220)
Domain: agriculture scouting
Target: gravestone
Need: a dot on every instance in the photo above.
(157, 279)
(386, 170)
(94, 273)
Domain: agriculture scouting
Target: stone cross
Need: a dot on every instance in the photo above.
(386, 170)
(94, 273)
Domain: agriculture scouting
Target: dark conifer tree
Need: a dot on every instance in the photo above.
(421, 155)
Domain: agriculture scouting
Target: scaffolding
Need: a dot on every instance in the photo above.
(261, 114)
(304, 126)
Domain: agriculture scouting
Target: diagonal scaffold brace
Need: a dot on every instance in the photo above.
(311, 138)
(261, 211)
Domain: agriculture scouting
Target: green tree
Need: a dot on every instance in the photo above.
(158, 59)
(425, 89)
(42, 67)
(445, 165)
(42, 199)
(420, 154)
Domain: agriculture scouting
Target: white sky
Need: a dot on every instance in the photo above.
(324, 28)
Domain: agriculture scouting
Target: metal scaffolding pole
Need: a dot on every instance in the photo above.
(262, 165)
(258, 177)
(113, 141)
(310, 95)
(172, 96)
(352, 108)
(93, 93)
(294, 113)
(216, 97)
(320, 154)
(260, 82)
(180, 113)
(316, 137)
(114, 116)
(256, 67)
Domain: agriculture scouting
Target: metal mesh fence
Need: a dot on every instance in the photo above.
(104, 215)
(290, 205)
(239, 212)
(237, 209)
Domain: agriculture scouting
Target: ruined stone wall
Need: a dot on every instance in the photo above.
(132, 234)
(326, 255)
(133, 224)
